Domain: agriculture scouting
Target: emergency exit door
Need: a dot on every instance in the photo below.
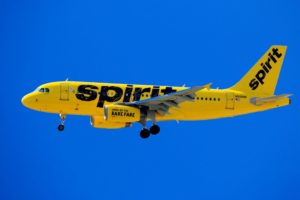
(230, 98)
(64, 91)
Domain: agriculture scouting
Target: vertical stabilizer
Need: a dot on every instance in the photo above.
(262, 78)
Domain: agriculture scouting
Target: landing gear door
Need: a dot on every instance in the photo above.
(64, 91)
(230, 99)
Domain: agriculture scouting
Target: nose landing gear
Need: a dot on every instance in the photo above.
(61, 126)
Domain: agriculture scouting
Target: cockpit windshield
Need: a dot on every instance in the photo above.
(43, 90)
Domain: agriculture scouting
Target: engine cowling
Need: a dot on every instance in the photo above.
(98, 122)
(119, 113)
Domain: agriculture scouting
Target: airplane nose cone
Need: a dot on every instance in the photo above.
(27, 101)
(31, 101)
(24, 100)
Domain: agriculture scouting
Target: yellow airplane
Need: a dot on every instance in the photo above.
(119, 105)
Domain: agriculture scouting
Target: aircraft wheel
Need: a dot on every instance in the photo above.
(60, 127)
(145, 133)
(154, 129)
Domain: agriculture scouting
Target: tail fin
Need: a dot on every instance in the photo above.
(262, 78)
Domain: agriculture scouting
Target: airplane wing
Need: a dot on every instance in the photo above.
(259, 101)
(161, 104)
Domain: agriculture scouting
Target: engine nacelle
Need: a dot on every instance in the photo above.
(119, 113)
(98, 122)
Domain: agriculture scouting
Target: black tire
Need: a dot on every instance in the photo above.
(154, 129)
(60, 127)
(145, 133)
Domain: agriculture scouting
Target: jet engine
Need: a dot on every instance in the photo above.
(119, 113)
(99, 122)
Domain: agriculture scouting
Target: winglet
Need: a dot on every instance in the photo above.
(208, 85)
(196, 88)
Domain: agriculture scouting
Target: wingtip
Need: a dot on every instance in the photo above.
(209, 84)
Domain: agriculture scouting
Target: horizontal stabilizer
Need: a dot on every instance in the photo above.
(260, 101)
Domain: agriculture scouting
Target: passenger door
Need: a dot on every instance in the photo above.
(64, 91)
(230, 100)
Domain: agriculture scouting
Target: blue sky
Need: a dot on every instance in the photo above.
(254, 156)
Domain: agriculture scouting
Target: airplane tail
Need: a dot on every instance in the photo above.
(262, 78)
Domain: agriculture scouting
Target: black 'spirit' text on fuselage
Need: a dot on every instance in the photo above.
(90, 93)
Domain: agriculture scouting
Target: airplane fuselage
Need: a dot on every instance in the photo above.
(89, 98)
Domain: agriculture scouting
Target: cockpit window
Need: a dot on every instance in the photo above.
(44, 90)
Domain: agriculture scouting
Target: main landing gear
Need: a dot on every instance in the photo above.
(61, 126)
(154, 129)
(145, 133)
